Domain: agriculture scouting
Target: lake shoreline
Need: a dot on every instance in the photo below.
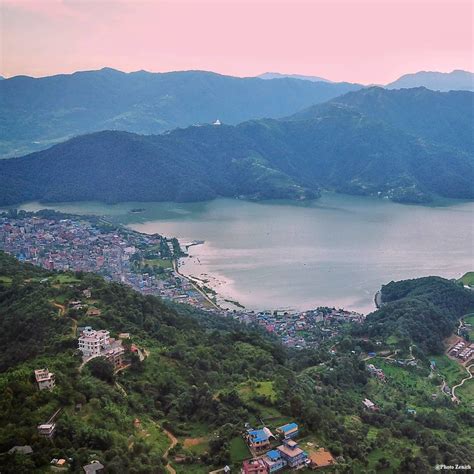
(336, 251)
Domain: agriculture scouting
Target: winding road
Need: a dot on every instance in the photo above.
(453, 397)
(174, 442)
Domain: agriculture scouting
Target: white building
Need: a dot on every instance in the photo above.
(93, 342)
(45, 379)
(47, 429)
(369, 404)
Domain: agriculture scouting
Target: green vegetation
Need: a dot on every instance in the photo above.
(5, 280)
(467, 279)
(257, 390)
(238, 450)
(64, 279)
(466, 392)
(363, 143)
(423, 311)
(469, 320)
(158, 263)
(59, 107)
(450, 369)
(204, 377)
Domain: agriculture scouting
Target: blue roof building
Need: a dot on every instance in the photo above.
(257, 439)
(293, 454)
(290, 430)
(274, 460)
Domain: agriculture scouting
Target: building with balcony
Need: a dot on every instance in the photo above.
(45, 379)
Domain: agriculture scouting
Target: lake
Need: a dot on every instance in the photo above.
(336, 251)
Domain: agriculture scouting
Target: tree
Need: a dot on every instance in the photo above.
(101, 368)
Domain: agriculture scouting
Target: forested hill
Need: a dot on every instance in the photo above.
(202, 378)
(194, 363)
(438, 81)
(335, 147)
(443, 118)
(422, 311)
(37, 112)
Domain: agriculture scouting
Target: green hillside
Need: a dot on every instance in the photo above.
(422, 311)
(443, 118)
(202, 379)
(38, 112)
(467, 279)
(338, 148)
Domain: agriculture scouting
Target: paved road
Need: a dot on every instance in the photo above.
(196, 287)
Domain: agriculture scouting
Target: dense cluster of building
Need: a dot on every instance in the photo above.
(301, 329)
(266, 460)
(81, 245)
(272, 453)
(90, 245)
(462, 350)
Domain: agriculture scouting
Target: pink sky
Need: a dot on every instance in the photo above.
(367, 41)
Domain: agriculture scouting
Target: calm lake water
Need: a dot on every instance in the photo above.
(336, 251)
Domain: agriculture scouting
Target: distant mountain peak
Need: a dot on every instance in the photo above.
(277, 75)
(441, 81)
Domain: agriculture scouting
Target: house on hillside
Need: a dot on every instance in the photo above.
(47, 430)
(370, 405)
(99, 343)
(92, 342)
(93, 467)
(290, 430)
(258, 440)
(115, 356)
(254, 466)
(26, 449)
(294, 456)
(274, 461)
(45, 379)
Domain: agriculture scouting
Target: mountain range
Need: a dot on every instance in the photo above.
(277, 75)
(38, 112)
(406, 145)
(438, 81)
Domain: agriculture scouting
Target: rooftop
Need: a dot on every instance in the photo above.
(288, 427)
(21, 449)
(273, 455)
(93, 467)
(290, 452)
(258, 436)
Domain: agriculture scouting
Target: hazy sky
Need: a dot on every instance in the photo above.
(371, 41)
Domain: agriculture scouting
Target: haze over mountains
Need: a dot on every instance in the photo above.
(277, 75)
(38, 112)
(438, 81)
(406, 145)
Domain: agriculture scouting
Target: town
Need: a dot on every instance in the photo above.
(149, 264)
